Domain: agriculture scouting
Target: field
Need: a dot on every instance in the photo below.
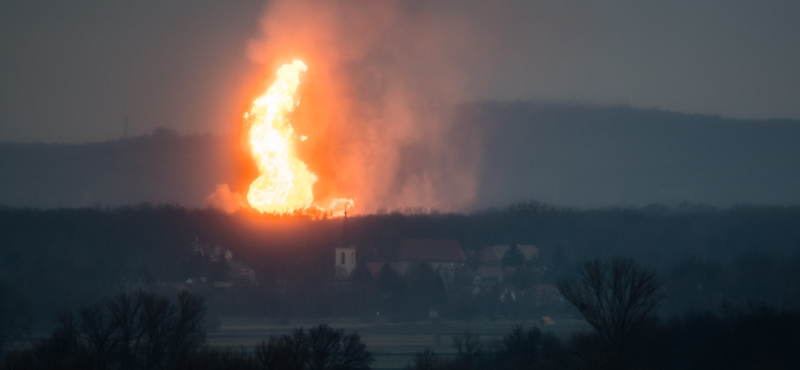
(393, 345)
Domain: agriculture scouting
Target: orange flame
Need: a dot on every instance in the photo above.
(285, 184)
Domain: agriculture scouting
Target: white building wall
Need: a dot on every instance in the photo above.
(345, 262)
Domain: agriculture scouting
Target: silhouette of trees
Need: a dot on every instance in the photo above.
(361, 273)
(13, 316)
(698, 341)
(755, 338)
(471, 353)
(424, 289)
(132, 330)
(333, 349)
(529, 349)
(618, 299)
(520, 349)
(425, 284)
(425, 360)
(65, 258)
(513, 257)
(284, 352)
(389, 281)
(320, 348)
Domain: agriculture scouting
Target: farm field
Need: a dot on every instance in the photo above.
(393, 345)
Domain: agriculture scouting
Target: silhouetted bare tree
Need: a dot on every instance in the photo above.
(321, 348)
(187, 332)
(618, 299)
(138, 330)
(280, 353)
(470, 351)
(333, 349)
(425, 360)
(528, 349)
(98, 328)
(125, 309)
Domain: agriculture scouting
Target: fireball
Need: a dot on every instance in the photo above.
(285, 184)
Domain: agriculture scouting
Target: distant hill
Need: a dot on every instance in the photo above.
(562, 154)
(599, 156)
(159, 168)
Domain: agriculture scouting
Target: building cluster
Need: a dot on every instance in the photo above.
(489, 269)
(495, 269)
(217, 266)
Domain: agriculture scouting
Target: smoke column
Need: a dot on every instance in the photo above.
(378, 102)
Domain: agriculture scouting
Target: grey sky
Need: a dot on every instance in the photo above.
(71, 70)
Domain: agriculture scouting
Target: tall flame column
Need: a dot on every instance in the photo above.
(285, 183)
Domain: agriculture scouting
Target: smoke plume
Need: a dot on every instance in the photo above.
(226, 200)
(378, 100)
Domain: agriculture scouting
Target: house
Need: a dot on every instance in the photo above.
(443, 255)
(493, 255)
(213, 260)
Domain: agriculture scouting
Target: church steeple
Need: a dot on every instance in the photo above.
(345, 253)
(344, 240)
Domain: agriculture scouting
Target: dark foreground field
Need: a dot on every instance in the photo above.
(393, 345)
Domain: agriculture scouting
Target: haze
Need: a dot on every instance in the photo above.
(72, 70)
(391, 82)
(548, 184)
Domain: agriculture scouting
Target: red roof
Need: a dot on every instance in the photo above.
(431, 250)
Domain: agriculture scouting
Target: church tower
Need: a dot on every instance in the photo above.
(345, 256)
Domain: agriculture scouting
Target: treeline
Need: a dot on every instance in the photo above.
(143, 330)
(761, 338)
(618, 298)
(755, 338)
(64, 258)
(157, 168)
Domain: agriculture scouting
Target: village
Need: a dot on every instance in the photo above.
(445, 281)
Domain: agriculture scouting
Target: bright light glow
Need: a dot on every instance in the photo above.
(285, 184)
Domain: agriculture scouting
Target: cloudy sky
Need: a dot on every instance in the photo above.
(71, 71)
